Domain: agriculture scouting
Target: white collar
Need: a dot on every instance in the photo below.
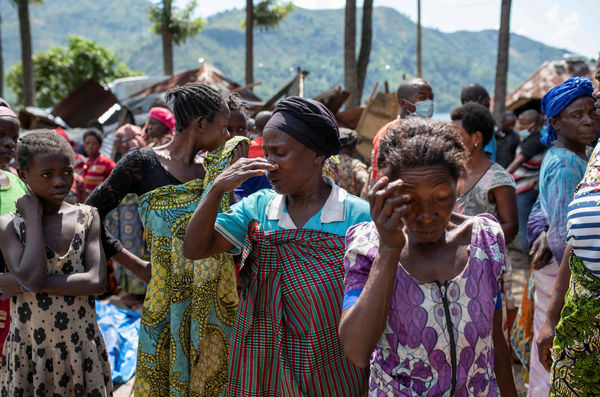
(334, 209)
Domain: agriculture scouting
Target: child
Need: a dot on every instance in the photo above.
(11, 188)
(97, 167)
(52, 250)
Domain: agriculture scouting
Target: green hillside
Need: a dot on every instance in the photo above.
(311, 39)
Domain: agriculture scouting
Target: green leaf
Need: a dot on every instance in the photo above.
(59, 70)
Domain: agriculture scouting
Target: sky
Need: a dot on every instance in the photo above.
(570, 24)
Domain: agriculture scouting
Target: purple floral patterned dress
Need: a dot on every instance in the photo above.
(438, 336)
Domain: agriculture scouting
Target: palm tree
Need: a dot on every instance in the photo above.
(266, 14)
(502, 60)
(355, 70)
(26, 51)
(174, 26)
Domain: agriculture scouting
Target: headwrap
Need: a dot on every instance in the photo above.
(163, 115)
(309, 122)
(561, 96)
(130, 136)
(5, 109)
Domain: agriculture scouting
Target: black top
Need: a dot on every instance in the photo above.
(506, 147)
(139, 172)
(532, 146)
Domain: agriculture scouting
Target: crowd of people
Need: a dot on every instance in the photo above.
(272, 259)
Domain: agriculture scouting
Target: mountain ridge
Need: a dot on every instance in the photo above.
(311, 39)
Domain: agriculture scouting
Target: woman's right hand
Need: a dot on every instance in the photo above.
(388, 207)
(540, 251)
(30, 206)
(241, 170)
(544, 345)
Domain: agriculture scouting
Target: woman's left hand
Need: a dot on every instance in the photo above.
(544, 345)
(9, 286)
(240, 151)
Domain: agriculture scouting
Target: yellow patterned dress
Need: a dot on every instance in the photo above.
(190, 306)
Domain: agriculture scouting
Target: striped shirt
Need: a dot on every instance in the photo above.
(583, 220)
(96, 171)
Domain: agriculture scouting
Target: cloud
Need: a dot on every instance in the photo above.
(566, 23)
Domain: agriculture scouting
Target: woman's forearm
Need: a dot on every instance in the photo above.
(140, 268)
(200, 232)
(502, 359)
(74, 284)
(361, 326)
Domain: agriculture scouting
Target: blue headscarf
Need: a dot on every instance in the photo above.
(561, 96)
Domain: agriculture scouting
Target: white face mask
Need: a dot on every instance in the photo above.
(423, 109)
(525, 132)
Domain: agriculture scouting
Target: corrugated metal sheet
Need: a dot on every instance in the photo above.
(206, 74)
(86, 103)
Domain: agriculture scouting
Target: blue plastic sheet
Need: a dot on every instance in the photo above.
(121, 330)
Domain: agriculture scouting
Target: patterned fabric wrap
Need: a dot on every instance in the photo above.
(190, 305)
(352, 174)
(285, 340)
(413, 356)
(575, 370)
(521, 335)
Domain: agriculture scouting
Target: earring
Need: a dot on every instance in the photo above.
(476, 145)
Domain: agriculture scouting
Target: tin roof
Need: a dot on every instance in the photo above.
(547, 76)
(206, 74)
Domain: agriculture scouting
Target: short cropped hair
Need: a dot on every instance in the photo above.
(475, 117)
(95, 133)
(41, 142)
(416, 142)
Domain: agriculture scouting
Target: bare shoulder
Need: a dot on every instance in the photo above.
(460, 228)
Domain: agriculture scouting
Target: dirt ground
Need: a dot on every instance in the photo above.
(520, 269)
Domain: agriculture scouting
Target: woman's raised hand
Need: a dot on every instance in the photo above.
(388, 207)
(29, 205)
(241, 170)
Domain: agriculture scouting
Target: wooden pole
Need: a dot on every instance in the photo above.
(419, 73)
(502, 60)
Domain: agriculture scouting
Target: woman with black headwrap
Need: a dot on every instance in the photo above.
(291, 238)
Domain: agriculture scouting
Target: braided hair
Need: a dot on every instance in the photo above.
(41, 142)
(235, 103)
(417, 142)
(194, 100)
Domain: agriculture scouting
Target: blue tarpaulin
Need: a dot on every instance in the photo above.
(120, 329)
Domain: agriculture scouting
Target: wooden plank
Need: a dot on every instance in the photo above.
(380, 111)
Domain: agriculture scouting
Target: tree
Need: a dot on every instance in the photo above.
(419, 59)
(174, 26)
(502, 60)
(355, 70)
(266, 14)
(60, 70)
(25, 29)
(1, 62)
